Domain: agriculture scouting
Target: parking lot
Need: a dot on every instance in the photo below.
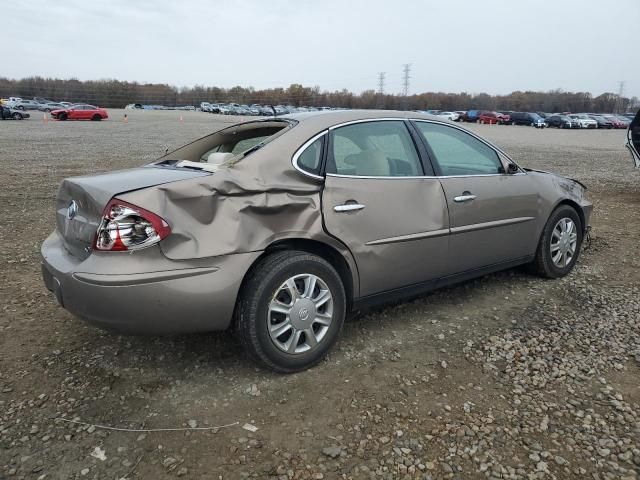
(507, 376)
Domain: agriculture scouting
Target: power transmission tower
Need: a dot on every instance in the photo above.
(381, 76)
(619, 99)
(406, 71)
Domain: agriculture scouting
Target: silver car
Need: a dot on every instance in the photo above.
(279, 227)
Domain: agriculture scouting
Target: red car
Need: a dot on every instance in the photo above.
(494, 117)
(80, 112)
(615, 121)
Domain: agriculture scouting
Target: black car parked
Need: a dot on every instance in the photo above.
(528, 118)
(559, 121)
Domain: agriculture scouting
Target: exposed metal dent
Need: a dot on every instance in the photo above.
(555, 174)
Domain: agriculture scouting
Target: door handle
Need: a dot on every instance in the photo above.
(465, 197)
(348, 207)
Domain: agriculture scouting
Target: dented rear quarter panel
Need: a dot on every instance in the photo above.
(244, 207)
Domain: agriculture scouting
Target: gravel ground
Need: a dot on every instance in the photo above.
(507, 376)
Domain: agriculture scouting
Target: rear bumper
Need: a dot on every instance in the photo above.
(144, 292)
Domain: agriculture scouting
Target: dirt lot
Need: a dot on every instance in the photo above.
(508, 376)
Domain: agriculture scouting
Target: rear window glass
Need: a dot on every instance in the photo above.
(230, 144)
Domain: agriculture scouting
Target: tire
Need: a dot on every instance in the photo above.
(267, 285)
(544, 264)
(16, 116)
(62, 117)
(96, 118)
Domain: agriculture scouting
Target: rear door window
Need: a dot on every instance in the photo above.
(377, 149)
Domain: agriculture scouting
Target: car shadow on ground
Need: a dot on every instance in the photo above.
(221, 351)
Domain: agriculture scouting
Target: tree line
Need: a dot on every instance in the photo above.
(117, 94)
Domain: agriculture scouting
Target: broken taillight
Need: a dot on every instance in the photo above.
(128, 227)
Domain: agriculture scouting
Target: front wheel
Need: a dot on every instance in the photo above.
(560, 243)
(62, 116)
(290, 311)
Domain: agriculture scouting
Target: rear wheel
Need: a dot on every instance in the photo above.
(96, 118)
(16, 116)
(290, 311)
(560, 243)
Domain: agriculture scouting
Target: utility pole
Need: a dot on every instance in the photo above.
(381, 76)
(406, 75)
(620, 94)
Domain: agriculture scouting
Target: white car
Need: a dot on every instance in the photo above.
(453, 116)
(584, 120)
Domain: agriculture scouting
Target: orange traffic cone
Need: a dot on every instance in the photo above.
(181, 119)
(125, 119)
(45, 118)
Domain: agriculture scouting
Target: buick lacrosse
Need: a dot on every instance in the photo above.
(279, 227)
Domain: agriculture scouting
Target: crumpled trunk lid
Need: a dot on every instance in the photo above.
(81, 200)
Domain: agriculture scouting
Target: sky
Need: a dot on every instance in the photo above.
(492, 46)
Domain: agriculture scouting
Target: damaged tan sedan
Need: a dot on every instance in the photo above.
(279, 227)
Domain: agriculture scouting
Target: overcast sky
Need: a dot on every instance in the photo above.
(493, 46)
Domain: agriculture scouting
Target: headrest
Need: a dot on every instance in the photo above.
(219, 157)
(369, 162)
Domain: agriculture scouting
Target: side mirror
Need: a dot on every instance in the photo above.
(512, 168)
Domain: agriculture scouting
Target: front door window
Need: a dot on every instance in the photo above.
(458, 153)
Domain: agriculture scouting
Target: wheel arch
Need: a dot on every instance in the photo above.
(576, 206)
(316, 247)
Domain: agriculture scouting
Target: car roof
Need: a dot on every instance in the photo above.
(323, 119)
(305, 126)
